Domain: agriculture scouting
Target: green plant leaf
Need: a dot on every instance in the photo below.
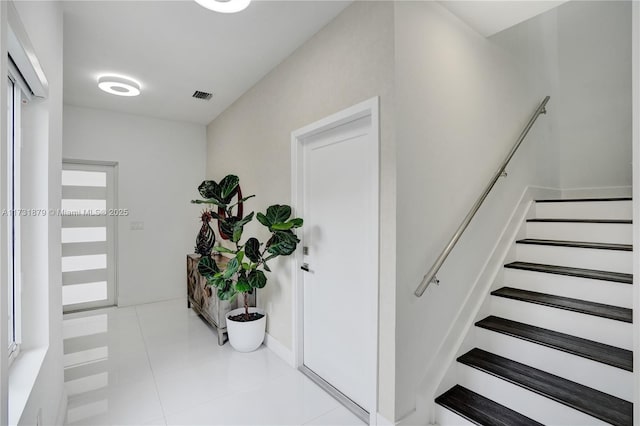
(242, 200)
(209, 189)
(257, 279)
(283, 226)
(222, 249)
(216, 281)
(263, 220)
(278, 213)
(227, 291)
(248, 218)
(228, 188)
(282, 243)
(232, 268)
(243, 286)
(240, 256)
(215, 215)
(252, 249)
(246, 266)
(266, 267)
(237, 234)
(297, 222)
(227, 225)
(209, 201)
(207, 267)
(238, 227)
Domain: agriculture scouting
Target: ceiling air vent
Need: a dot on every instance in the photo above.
(202, 95)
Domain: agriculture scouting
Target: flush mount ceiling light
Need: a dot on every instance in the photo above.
(119, 85)
(224, 6)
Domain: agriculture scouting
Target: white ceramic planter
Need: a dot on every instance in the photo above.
(246, 336)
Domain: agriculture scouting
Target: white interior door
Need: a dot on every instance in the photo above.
(340, 288)
(88, 236)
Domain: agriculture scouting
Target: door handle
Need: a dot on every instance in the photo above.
(305, 267)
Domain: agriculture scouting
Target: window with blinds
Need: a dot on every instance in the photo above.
(88, 236)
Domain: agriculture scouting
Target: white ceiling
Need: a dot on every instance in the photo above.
(176, 47)
(491, 17)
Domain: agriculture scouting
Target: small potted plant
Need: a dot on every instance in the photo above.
(245, 270)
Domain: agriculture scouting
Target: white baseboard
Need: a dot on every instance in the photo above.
(604, 192)
(61, 418)
(279, 349)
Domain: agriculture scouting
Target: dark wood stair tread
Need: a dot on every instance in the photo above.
(576, 244)
(590, 401)
(593, 274)
(576, 305)
(480, 410)
(595, 351)
(612, 221)
(580, 200)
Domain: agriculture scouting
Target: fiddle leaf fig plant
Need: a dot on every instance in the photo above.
(245, 271)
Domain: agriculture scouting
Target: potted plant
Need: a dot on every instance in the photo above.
(245, 270)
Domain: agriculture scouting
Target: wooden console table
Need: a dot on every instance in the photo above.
(203, 298)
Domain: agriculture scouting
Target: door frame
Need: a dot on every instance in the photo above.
(370, 108)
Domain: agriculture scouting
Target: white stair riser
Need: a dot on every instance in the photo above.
(603, 330)
(607, 292)
(530, 404)
(585, 210)
(604, 260)
(577, 231)
(603, 377)
(445, 417)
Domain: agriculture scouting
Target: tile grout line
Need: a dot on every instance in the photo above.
(155, 382)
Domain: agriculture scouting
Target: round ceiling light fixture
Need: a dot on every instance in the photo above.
(119, 85)
(224, 6)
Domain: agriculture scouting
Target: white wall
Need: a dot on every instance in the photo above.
(461, 102)
(584, 47)
(593, 126)
(160, 165)
(348, 61)
(36, 377)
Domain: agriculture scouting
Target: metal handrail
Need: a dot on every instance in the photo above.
(430, 277)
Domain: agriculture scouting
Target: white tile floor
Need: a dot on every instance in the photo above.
(160, 364)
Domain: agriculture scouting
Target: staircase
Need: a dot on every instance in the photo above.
(557, 347)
